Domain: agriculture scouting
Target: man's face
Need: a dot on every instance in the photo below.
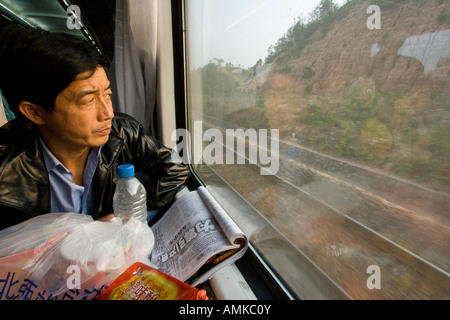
(83, 112)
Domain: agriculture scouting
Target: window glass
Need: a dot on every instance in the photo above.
(330, 121)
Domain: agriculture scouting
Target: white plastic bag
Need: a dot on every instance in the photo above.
(68, 256)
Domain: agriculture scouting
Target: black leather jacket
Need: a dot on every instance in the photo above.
(24, 182)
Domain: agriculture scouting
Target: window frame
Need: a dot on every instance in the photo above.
(266, 282)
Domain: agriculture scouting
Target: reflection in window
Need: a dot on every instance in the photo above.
(364, 123)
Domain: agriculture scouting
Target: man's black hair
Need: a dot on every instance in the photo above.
(36, 65)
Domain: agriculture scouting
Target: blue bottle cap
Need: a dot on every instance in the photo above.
(125, 171)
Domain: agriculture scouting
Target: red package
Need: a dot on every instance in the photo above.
(142, 282)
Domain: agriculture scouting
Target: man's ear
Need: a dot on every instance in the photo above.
(33, 112)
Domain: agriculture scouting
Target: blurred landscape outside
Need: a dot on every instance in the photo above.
(364, 122)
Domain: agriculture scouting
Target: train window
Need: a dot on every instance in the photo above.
(323, 128)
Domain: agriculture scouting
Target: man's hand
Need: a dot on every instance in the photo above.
(106, 218)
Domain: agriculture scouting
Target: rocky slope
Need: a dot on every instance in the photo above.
(380, 97)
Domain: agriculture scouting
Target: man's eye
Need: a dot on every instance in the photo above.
(87, 101)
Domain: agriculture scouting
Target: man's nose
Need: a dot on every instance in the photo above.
(105, 110)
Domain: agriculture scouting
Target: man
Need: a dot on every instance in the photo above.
(62, 151)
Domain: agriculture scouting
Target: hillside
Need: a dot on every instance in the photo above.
(370, 110)
(377, 97)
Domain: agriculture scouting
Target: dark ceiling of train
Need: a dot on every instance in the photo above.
(98, 17)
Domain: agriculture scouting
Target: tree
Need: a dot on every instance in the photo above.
(324, 8)
(308, 73)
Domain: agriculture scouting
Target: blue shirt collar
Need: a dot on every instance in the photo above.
(51, 162)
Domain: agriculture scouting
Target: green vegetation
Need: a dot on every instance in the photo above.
(252, 117)
(349, 127)
(404, 129)
(291, 45)
(364, 126)
(223, 98)
(444, 16)
(308, 73)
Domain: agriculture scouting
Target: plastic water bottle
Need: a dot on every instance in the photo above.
(130, 197)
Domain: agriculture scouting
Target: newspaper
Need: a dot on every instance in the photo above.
(195, 238)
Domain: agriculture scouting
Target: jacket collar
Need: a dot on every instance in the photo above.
(21, 134)
(111, 151)
(24, 177)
